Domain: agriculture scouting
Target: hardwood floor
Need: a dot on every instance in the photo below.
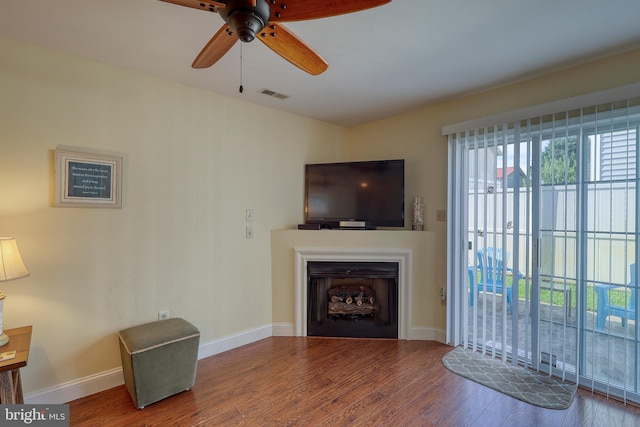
(284, 381)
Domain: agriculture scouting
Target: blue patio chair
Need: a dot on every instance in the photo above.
(606, 308)
(490, 268)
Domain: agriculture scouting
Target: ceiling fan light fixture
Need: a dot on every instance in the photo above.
(245, 20)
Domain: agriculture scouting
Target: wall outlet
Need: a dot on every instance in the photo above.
(163, 315)
(442, 294)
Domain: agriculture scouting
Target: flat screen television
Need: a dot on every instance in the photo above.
(365, 194)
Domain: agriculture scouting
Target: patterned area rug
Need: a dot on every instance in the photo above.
(515, 381)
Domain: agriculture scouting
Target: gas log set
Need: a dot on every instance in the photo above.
(352, 301)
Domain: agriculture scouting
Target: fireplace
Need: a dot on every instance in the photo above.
(402, 257)
(352, 299)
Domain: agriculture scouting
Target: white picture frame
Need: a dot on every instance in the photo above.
(87, 180)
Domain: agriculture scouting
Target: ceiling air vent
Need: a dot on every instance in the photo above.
(274, 94)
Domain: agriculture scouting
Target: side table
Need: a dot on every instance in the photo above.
(10, 382)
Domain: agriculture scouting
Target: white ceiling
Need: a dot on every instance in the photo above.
(382, 62)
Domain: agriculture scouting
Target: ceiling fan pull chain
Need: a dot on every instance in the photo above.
(241, 88)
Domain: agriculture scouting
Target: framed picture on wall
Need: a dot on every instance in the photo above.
(87, 180)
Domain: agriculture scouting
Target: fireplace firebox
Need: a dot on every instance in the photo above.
(352, 299)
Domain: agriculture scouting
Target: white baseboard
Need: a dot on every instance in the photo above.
(233, 341)
(76, 389)
(284, 330)
(101, 381)
(428, 334)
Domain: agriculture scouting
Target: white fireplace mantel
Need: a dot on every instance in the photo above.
(304, 255)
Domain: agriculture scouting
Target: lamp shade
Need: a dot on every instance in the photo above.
(11, 265)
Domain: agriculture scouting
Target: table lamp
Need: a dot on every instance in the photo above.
(11, 267)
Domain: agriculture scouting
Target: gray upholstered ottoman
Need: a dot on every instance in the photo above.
(159, 359)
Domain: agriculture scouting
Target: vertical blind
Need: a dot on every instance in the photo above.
(542, 237)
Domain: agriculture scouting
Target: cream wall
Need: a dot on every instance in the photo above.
(193, 164)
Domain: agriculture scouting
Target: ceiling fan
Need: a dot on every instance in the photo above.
(246, 20)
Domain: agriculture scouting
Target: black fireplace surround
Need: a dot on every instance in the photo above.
(352, 299)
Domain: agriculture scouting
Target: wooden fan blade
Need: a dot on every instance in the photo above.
(286, 44)
(300, 10)
(208, 5)
(219, 44)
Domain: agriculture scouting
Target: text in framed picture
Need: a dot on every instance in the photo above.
(87, 180)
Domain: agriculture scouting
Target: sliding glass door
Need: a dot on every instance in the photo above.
(610, 343)
(559, 293)
(542, 244)
(497, 242)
